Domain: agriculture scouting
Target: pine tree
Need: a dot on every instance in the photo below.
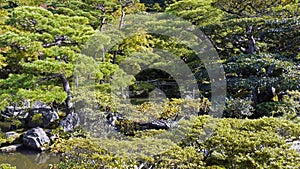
(41, 47)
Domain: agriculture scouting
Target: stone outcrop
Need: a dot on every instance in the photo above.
(295, 145)
(41, 115)
(70, 122)
(36, 139)
(39, 120)
(154, 124)
(12, 111)
(11, 148)
(11, 134)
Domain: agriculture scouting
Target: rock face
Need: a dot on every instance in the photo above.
(11, 134)
(11, 148)
(47, 116)
(40, 115)
(154, 124)
(11, 111)
(13, 137)
(36, 139)
(113, 117)
(71, 121)
(295, 145)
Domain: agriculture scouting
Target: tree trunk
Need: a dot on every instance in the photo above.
(251, 41)
(103, 54)
(102, 8)
(102, 24)
(67, 89)
(77, 81)
(255, 95)
(95, 55)
(120, 27)
(122, 17)
(103, 49)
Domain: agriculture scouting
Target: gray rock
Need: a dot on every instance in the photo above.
(13, 137)
(113, 117)
(39, 104)
(295, 145)
(25, 114)
(11, 148)
(51, 135)
(70, 122)
(11, 111)
(11, 134)
(48, 117)
(36, 139)
(154, 124)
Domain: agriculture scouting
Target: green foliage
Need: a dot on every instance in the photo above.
(207, 143)
(37, 118)
(227, 24)
(246, 71)
(292, 100)
(274, 109)
(238, 108)
(2, 138)
(156, 5)
(11, 140)
(58, 50)
(167, 110)
(17, 123)
(199, 12)
(237, 143)
(246, 149)
(178, 157)
(63, 135)
(6, 166)
(33, 57)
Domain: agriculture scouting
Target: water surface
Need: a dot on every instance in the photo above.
(27, 159)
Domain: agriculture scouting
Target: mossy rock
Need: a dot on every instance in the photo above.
(13, 124)
(9, 138)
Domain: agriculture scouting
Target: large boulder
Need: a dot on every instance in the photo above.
(295, 145)
(15, 112)
(41, 116)
(70, 122)
(11, 148)
(13, 137)
(154, 124)
(51, 135)
(11, 134)
(36, 139)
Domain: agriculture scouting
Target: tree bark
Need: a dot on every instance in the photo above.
(102, 8)
(252, 48)
(103, 49)
(255, 95)
(122, 17)
(67, 89)
(102, 24)
(126, 4)
(103, 54)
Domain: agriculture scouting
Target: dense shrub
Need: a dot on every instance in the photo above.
(207, 143)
